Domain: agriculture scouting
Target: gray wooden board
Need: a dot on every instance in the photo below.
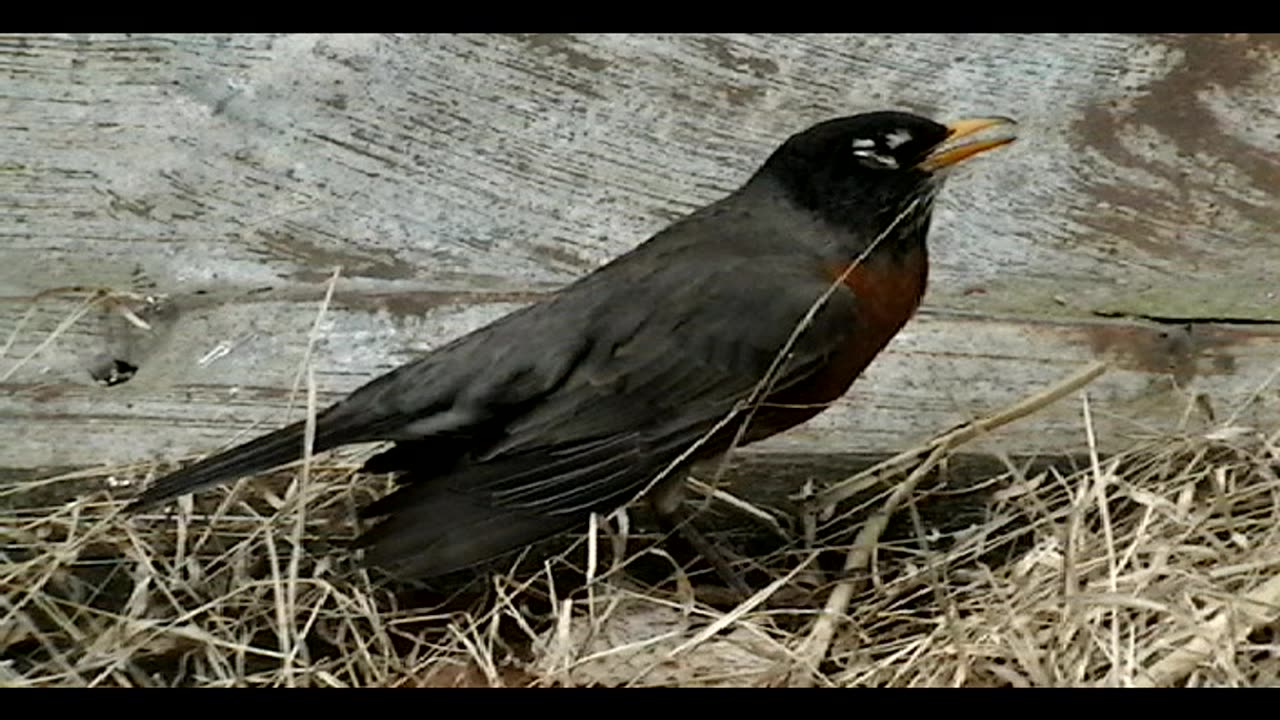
(454, 177)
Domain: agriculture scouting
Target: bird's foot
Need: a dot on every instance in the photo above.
(713, 554)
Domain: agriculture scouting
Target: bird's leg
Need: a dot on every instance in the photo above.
(667, 499)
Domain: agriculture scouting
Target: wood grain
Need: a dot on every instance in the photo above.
(455, 177)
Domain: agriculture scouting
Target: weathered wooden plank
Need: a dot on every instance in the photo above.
(224, 369)
(265, 157)
(454, 176)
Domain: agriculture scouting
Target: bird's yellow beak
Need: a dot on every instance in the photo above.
(949, 153)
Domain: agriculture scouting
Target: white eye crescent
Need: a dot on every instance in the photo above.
(896, 138)
(872, 158)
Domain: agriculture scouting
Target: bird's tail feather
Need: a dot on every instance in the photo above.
(270, 450)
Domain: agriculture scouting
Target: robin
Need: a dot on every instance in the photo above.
(741, 320)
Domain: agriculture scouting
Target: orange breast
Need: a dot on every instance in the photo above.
(888, 292)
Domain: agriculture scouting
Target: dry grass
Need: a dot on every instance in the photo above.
(1157, 566)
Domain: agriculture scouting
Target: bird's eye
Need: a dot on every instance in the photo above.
(876, 152)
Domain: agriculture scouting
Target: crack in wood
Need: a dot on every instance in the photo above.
(1185, 320)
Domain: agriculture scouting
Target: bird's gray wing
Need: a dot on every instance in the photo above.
(655, 376)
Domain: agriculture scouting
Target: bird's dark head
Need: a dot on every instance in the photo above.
(863, 171)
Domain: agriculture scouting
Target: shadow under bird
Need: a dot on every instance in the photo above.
(616, 384)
